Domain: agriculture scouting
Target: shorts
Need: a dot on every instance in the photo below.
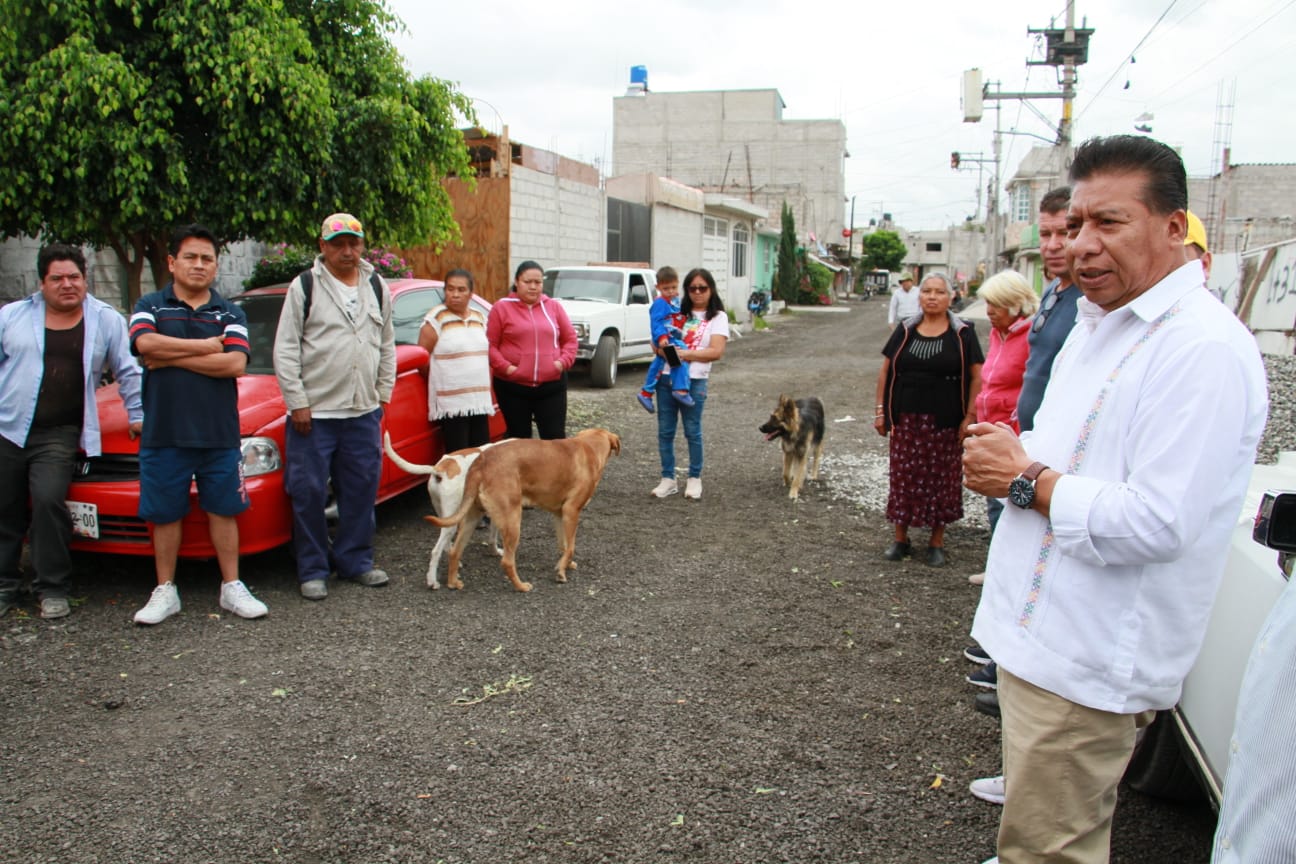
(167, 472)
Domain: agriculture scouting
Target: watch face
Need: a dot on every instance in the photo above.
(1021, 492)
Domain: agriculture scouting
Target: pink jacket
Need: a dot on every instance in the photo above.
(530, 338)
(1001, 376)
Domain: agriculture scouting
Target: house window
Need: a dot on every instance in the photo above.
(1021, 203)
(933, 247)
(739, 250)
(713, 227)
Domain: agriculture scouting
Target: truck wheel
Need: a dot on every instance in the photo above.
(1159, 767)
(603, 366)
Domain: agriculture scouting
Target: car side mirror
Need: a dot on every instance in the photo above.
(1275, 526)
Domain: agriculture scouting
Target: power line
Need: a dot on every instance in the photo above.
(1178, 84)
(1121, 66)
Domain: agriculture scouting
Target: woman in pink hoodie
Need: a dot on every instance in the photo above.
(1010, 305)
(532, 345)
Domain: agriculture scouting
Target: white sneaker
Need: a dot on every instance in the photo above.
(162, 604)
(236, 598)
(693, 489)
(666, 487)
(988, 789)
(977, 578)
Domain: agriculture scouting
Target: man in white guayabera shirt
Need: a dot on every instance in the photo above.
(1103, 569)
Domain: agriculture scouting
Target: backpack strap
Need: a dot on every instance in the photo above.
(308, 286)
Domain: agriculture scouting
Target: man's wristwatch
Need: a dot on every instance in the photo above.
(1021, 491)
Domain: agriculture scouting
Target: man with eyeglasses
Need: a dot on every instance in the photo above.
(54, 347)
(1057, 312)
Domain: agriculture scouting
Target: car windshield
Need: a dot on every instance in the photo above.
(408, 310)
(583, 285)
(262, 311)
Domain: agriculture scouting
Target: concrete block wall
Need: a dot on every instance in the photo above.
(676, 238)
(555, 221)
(106, 277)
(736, 142)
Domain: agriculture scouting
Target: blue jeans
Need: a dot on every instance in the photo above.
(668, 413)
(994, 507)
(351, 453)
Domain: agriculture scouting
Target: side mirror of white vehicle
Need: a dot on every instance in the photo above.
(1275, 526)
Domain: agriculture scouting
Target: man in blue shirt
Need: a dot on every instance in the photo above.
(54, 347)
(1057, 312)
(193, 344)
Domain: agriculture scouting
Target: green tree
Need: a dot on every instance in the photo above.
(883, 250)
(787, 278)
(125, 118)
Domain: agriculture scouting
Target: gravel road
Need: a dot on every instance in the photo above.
(740, 679)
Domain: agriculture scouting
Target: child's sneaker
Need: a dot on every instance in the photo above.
(646, 401)
(683, 397)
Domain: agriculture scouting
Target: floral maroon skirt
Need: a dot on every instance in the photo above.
(926, 473)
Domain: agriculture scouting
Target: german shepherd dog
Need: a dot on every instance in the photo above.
(800, 425)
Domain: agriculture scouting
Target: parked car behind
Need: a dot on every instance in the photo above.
(104, 497)
(1186, 750)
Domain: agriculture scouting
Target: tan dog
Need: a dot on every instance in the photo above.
(445, 488)
(558, 476)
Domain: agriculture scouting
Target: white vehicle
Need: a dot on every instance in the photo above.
(608, 306)
(1187, 748)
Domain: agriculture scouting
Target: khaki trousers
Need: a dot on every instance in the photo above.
(1062, 763)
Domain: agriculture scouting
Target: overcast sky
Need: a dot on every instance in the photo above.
(891, 71)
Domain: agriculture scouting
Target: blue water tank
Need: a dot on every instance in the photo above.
(639, 75)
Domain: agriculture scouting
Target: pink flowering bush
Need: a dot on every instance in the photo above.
(388, 264)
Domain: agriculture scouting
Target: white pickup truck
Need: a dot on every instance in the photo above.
(1187, 749)
(608, 306)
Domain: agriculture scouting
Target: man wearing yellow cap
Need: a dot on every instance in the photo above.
(335, 358)
(1195, 247)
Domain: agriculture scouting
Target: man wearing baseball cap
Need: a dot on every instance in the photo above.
(1195, 243)
(335, 357)
(904, 300)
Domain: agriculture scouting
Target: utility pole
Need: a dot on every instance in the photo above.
(1068, 77)
(1067, 48)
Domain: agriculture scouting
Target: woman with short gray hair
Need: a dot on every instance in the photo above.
(926, 393)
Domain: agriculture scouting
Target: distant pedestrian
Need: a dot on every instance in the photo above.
(336, 367)
(532, 345)
(54, 347)
(904, 301)
(193, 344)
(459, 380)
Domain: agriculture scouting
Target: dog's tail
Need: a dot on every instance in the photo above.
(472, 483)
(407, 467)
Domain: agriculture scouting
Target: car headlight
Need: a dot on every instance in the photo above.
(260, 456)
(582, 331)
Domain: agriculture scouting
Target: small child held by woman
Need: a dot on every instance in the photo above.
(666, 321)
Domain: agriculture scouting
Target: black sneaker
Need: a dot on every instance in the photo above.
(988, 703)
(976, 654)
(987, 676)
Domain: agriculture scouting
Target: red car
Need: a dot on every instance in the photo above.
(104, 497)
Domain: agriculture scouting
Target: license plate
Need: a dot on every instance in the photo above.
(85, 519)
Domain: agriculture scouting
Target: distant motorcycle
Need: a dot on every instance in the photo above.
(758, 304)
